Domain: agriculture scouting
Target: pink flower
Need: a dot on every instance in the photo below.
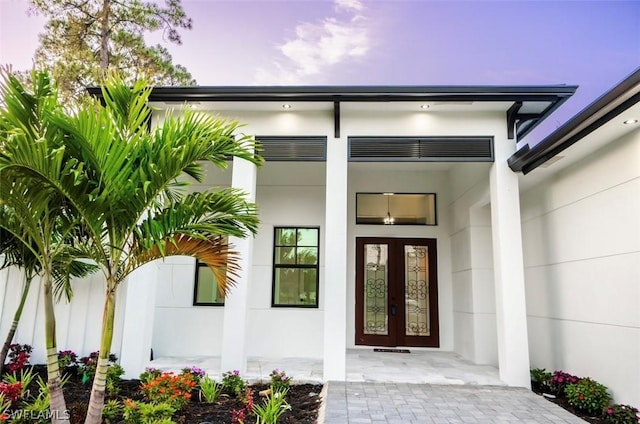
(610, 411)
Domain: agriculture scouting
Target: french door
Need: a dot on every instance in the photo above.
(396, 292)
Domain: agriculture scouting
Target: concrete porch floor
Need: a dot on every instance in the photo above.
(363, 365)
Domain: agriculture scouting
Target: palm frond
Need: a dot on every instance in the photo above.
(215, 252)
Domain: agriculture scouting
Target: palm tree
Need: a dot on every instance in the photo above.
(33, 169)
(135, 208)
(18, 255)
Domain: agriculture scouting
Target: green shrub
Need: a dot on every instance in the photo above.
(112, 408)
(233, 384)
(147, 413)
(621, 414)
(114, 375)
(540, 380)
(588, 395)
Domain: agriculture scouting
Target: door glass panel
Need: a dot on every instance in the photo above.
(416, 280)
(376, 282)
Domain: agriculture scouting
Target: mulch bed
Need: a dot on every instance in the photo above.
(304, 400)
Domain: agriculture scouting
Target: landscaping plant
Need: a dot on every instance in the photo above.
(170, 388)
(25, 378)
(67, 359)
(588, 395)
(148, 413)
(149, 374)
(272, 407)
(279, 380)
(210, 389)
(540, 380)
(112, 409)
(233, 384)
(36, 180)
(621, 414)
(240, 416)
(560, 380)
(19, 355)
(115, 184)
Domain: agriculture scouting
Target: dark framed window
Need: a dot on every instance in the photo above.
(205, 291)
(295, 267)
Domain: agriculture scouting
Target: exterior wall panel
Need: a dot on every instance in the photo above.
(581, 236)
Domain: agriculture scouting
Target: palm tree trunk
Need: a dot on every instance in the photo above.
(96, 402)
(57, 405)
(16, 319)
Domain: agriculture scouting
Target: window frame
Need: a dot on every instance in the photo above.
(435, 209)
(294, 266)
(195, 287)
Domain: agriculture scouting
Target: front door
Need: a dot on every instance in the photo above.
(396, 292)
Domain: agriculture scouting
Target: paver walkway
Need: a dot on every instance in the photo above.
(403, 403)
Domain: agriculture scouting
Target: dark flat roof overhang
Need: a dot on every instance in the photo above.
(555, 95)
(602, 110)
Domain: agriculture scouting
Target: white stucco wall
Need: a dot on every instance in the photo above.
(472, 265)
(581, 236)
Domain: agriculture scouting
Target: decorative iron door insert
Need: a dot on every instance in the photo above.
(396, 292)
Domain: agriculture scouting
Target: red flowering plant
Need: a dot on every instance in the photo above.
(559, 382)
(170, 388)
(11, 392)
(239, 416)
(19, 355)
(588, 396)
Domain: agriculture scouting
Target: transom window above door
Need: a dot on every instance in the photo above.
(396, 208)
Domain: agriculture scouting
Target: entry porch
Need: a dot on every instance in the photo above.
(362, 365)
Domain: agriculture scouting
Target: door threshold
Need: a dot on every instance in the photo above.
(392, 350)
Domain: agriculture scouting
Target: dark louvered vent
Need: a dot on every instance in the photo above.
(418, 149)
(301, 149)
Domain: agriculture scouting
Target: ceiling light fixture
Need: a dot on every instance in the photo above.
(630, 121)
(286, 106)
(425, 106)
(388, 220)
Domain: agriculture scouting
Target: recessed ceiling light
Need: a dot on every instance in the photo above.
(631, 121)
(425, 106)
(286, 106)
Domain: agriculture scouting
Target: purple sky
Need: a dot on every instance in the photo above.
(393, 42)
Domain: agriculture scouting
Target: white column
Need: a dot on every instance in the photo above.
(511, 308)
(137, 330)
(234, 330)
(335, 259)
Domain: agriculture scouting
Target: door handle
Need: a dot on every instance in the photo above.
(394, 310)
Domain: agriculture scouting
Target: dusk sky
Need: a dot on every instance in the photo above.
(593, 44)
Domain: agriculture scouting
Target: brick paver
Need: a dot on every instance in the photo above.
(403, 403)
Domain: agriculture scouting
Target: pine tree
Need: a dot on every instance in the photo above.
(84, 38)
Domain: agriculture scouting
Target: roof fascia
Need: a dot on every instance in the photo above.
(554, 94)
(599, 112)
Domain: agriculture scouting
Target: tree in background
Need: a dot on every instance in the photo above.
(84, 38)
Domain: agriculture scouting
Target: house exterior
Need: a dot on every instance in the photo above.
(403, 216)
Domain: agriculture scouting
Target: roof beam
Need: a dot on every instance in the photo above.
(336, 119)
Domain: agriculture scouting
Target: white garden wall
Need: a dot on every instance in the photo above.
(581, 236)
(78, 323)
